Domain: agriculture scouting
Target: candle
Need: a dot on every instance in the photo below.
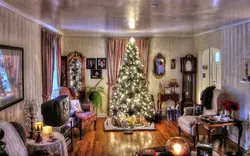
(47, 130)
(38, 126)
(177, 149)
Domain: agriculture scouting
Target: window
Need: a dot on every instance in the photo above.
(55, 75)
(217, 57)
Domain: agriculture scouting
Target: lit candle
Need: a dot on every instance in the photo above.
(47, 130)
(38, 126)
(177, 149)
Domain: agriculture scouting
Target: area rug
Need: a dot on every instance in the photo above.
(109, 127)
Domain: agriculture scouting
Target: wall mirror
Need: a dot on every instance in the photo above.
(159, 66)
(75, 71)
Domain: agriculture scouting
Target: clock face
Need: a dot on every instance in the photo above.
(188, 65)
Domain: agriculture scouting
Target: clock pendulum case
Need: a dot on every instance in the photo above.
(188, 69)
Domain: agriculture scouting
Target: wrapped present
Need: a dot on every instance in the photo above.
(178, 113)
(169, 116)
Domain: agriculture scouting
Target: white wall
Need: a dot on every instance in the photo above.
(234, 46)
(15, 30)
(90, 47)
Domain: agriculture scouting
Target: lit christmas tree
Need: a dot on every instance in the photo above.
(131, 103)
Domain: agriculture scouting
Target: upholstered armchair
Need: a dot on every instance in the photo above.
(86, 115)
(187, 121)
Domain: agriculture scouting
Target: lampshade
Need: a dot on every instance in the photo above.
(47, 130)
(38, 126)
(177, 146)
(173, 83)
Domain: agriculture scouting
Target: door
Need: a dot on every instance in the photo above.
(211, 68)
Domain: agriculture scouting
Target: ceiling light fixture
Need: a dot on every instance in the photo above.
(131, 23)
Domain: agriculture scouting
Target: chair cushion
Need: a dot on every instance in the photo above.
(187, 120)
(85, 115)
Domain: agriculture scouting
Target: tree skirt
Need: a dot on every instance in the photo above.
(109, 127)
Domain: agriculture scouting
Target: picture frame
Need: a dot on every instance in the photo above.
(101, 63)
(167, 90)
(11, 76)
(96, 74)
(198, 109)
(173, 64)
(204, 149)
(91, 63)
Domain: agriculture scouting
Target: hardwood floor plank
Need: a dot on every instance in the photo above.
(100, 143)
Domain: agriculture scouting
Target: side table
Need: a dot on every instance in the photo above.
(58, 146)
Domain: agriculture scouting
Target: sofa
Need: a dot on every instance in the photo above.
(86, 116)
(187, 122)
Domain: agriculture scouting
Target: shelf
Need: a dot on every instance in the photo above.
(245, 82)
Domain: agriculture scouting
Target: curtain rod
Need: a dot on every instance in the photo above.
(48, 30)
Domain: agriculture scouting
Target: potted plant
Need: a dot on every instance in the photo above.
(94, 94)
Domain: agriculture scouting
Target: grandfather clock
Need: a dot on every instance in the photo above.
(188, 69)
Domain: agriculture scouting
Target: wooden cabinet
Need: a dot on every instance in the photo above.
(164, 97)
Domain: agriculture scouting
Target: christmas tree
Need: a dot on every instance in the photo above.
(131, 101)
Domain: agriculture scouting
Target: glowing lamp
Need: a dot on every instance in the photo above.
(177, 146)
(47, 130)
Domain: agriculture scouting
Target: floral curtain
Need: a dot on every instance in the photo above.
(116, 48)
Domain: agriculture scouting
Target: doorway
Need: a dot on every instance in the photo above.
(211, 68)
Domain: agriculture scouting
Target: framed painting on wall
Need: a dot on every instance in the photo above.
(96, 74)
(90, 63)
(101, 63)
(11, 76)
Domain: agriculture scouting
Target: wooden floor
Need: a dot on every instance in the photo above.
(100, 143)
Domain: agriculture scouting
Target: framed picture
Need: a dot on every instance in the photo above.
(205, 67)
(101, 63)
(167, 90)
(11, 76)
(204, 149)
(90, 63)
(198, 109)
(96, 74)
(173, 64)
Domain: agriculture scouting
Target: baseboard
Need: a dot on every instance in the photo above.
(235, 140)
(102, 116)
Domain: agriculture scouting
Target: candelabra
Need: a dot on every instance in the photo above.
(30, 111)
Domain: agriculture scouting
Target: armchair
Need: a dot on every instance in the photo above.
(86, 116)
(187, 121)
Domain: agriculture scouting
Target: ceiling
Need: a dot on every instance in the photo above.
(151, 17)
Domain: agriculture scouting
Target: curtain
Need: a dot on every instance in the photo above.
(116, 48)
(58, 59)
(47, 63)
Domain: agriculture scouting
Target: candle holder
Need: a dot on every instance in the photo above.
(38, 129)
(177, 146)
(246, 61)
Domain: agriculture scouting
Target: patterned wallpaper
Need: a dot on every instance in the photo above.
(15, 30)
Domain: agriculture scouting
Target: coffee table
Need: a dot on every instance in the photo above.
(211, 126)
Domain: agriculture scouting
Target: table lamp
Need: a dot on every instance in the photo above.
(177, 146)
(173, 84)
(38, 129)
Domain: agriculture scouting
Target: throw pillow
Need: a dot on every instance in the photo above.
(86, 107)
(75, 105)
